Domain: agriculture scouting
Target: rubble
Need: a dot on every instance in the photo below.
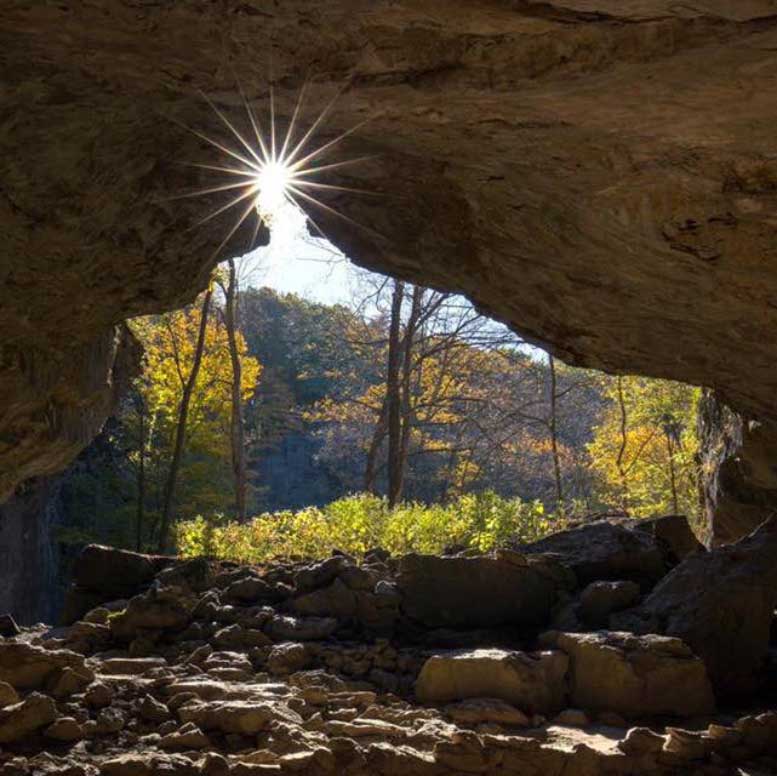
(256, 682)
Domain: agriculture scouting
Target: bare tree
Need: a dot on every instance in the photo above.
(180, 431)
(237, 428)
(393, 395)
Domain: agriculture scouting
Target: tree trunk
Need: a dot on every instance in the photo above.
(393, 397)
(672, 473)
(622, 449)
(553, 429)
(378, 435)
(141, 474)
(236, 427)
(180, 431)
(406, 405)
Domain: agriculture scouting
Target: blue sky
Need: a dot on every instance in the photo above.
(298, 263)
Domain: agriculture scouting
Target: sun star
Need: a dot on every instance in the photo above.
(272, 178)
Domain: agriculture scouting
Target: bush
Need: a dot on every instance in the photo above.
(360, 522)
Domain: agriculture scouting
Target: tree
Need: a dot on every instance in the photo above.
(188, 385)
(237, 431)
(644, 450)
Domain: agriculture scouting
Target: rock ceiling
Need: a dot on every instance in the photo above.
(600, 174)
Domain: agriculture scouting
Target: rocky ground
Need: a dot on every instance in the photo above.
(611, 648)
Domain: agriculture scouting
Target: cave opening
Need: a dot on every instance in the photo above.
(454, 547)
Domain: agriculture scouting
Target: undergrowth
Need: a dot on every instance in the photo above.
(361, 522)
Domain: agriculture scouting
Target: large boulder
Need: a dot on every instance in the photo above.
(534, 682)
(23, 718)
(480, 592)
(605, 550)
(721, 603)
(158, 609)
(29, 667)
(103, 574)
(115, 572)
(246, 717)
(673, 534)
(634, 675)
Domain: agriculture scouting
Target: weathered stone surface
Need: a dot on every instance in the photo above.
(532, 682)
(605, 550)
(637, 676)
(476, 592)
(721, 603)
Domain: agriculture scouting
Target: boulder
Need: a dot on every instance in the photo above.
(320, 574)
(245, 717)
(458, 592)
(605, 550)
(8, 626)
(721, 603)
(157, 609)
(148, 764)
(252, 589)
(65, 729)
(479, 710)
(335, 600)
(634, 675)
(288, 628)
(29, 667)
(115, 573)
(534, 682)
(22, 719)
(674, 535)
(7, 695)
(287, 658)
(130, 666)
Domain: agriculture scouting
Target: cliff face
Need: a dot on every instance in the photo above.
(739, 471)
(600, 174)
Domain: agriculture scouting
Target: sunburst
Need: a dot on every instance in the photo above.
(273, 173)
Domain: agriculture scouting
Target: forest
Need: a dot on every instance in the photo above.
(267, 425)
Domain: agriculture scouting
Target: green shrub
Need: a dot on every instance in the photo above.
(360, 522)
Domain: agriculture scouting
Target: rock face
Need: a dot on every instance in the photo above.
(456, 592)
(589, 171)
(721, 603)
(739, 470)
(534, 683)
(635, 676)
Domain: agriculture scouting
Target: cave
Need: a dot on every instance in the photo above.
(600, 176)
